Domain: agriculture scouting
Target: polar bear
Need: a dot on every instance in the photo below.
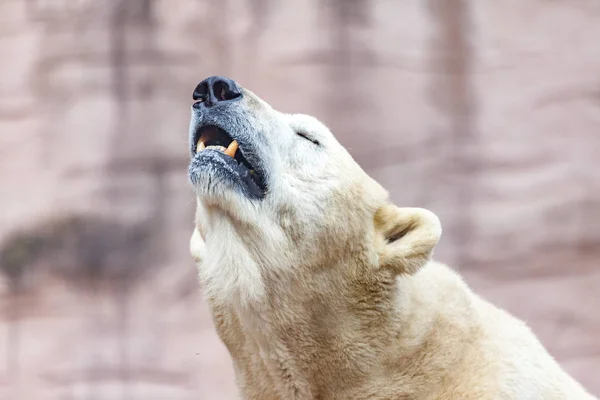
(321, 288)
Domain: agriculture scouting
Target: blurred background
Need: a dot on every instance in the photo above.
(486, 112)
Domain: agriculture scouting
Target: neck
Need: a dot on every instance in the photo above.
(317, 335)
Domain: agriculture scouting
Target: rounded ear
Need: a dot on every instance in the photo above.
(405, 237)
(197, 247)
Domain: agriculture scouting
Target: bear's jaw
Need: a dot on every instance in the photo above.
(217, 155)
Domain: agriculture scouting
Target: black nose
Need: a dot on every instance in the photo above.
(216, 89)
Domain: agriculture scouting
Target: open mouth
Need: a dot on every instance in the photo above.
(212, 138)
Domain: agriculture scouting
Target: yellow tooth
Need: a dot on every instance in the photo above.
(231, 149)
(200, 146)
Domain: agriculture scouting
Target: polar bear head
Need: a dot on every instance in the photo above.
(278, 196)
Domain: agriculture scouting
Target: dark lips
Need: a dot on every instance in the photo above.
(213, 144)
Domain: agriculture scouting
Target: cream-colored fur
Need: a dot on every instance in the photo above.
(326, 290)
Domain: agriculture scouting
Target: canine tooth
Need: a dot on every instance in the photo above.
(231, 149)
(200, 146)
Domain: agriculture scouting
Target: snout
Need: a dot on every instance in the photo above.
(216, 90)
(226, 148)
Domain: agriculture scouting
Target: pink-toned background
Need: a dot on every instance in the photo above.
(487, 112)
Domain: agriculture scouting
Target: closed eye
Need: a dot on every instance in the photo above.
(308, 137)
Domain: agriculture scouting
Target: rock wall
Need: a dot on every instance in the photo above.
(486, 112)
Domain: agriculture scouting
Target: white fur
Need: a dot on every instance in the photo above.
(324, 229)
